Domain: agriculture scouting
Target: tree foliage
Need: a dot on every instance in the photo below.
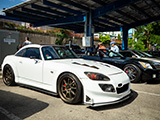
(146, 36)
(62, 35)
(104, 39)
(119, 37)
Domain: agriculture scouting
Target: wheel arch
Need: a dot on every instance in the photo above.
(72, 74)
(13, 66)
(138, 68)
(136, 64)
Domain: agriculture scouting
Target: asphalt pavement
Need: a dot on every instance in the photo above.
(18, 103)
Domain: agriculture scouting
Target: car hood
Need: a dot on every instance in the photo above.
(152, 59)
(88, 66)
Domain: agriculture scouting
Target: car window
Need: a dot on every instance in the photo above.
(49, 53)
(142, 54)
(147, 54)
(138, 53)
(32, 53)
(109, 53)
(21, 53)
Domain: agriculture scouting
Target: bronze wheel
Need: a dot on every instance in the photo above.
(69, 88)
(8, 76)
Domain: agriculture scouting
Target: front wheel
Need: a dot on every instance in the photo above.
(69, 88)
(8, 76)
(133, 72)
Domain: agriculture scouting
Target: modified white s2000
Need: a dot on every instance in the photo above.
(57, 69)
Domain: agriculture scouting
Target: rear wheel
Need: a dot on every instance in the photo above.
(69, 88)
(133, 72)
(8, 76)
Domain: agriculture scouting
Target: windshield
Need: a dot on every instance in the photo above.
(142, 54)
(110, 53)
(57, 52)
(64, 52)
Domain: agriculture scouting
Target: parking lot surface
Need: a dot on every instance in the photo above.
(18, 103)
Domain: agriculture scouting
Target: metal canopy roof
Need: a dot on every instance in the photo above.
(107, 15)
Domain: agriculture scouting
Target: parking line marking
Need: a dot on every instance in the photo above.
(8, 114)
(153, 94)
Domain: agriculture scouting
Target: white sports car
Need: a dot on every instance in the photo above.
(58, 70)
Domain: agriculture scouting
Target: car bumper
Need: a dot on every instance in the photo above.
(151, 74)
(94, 95)
(112, 102)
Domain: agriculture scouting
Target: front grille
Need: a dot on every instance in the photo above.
(122, 89)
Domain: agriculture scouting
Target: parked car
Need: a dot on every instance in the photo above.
(137, 69)
(139, 54)
(76, 48)
(154, 53)
(57, 69)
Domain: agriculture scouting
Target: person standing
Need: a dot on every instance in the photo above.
(114, 47)
(26, 42)
(101, 47)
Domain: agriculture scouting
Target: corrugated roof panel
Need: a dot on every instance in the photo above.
(118, 13)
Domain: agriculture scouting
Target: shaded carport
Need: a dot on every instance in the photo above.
(87, 16)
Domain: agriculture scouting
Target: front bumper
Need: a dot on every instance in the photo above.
(112, 102)
(95, 96)
(151, 74)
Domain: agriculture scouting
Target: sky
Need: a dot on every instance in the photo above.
(9, 3)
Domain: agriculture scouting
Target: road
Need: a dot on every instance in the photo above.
(18, 103)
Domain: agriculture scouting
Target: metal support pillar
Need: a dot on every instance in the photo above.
(124, 37)
(88, 27)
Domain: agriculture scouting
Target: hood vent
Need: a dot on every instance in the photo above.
(85, 65)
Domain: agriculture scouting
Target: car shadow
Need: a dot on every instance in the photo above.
(148, 82)
(117, 105)
(153, 82)
(18, 105)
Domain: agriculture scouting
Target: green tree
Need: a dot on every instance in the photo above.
(130, 42)
(149, 34)
(61, 35)
(104, 39)
(139, 45)
(119, 37)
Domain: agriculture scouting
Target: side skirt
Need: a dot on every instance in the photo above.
(38, 89)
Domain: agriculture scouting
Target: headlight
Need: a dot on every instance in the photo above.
(97, 76)
(146, 65)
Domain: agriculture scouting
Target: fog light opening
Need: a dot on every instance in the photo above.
(88, 99)
(107, 87)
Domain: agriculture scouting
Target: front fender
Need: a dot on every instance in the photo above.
(9, 60)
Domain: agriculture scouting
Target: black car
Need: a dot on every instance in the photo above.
(139, 54)
(136, 68)
(76, 48)
(135, 53)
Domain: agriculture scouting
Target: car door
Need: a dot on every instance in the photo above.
(113, 59)
(49, 68)
(30, 65)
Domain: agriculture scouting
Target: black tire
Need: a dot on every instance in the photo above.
(70, 88)
(133, 72)
(8, 76)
